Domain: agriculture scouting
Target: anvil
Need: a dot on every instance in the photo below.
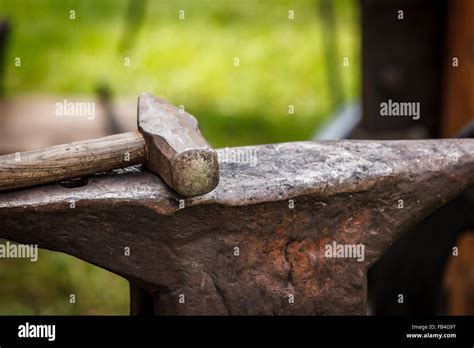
(257, 244)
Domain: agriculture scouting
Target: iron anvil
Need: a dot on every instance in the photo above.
(257, 244)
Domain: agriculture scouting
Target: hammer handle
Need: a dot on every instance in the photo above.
(76, 159)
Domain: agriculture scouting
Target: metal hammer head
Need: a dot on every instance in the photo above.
(176, 148)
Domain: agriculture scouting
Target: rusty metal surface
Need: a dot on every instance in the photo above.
(346, 192)
(177, 151)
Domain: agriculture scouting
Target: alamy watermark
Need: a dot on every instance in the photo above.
(28, 330)
(405, 109)
(20, 251)
(239, 155)
(335, 250)
(79, 109)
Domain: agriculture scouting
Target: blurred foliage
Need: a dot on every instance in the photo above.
(44, 287)
(188, 62)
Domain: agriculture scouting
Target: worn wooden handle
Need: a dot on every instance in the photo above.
(81, 158)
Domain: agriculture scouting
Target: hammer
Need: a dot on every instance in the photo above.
(168, 142)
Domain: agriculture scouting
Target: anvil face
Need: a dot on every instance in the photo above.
(293, 234)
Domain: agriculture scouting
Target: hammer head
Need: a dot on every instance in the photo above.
(176, 148)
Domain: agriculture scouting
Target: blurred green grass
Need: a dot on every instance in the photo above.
(44, 287)
(189, 62)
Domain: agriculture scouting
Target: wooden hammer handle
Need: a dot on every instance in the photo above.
(71, 160)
